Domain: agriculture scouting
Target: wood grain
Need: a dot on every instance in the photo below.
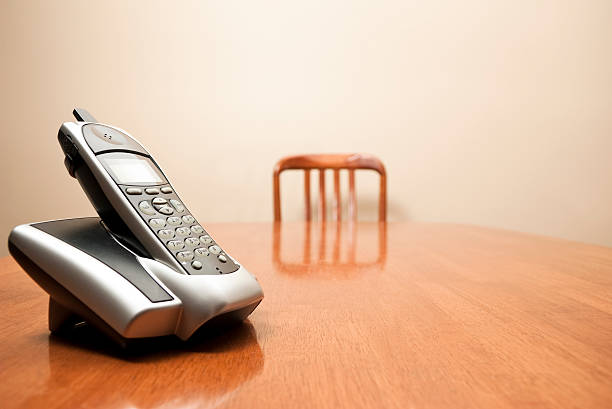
(449, 316)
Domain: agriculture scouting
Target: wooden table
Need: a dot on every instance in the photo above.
(394, 316)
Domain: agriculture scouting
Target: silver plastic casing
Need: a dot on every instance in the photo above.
(115, 196)
(196, 299)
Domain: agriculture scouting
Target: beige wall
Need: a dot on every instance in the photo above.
(491, 113)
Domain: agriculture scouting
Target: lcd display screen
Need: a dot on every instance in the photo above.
(129, 169)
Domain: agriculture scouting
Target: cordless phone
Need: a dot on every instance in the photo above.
(145, 268)
(135, 200)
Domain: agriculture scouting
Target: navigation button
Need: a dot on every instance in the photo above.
(165, 210)
(146, 208)
(159, 201)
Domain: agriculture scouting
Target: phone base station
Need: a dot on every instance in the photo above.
(91, 277)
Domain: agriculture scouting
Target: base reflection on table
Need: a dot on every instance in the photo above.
(203, 371)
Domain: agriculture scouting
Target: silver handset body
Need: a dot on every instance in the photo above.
(136, 201)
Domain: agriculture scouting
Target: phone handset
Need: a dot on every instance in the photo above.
(135, 200)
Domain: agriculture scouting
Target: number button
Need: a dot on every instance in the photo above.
(157, 223)
(188, 219)
(146, 208)
(165, 234)
(165, 210)
(174, 221)
(214, 249)
(192, 241)
(185, 255)
(183, 231)
(177, 205)
(197, 229)
(206, 239)
(201, 252)
(176, 245)
(133, 191)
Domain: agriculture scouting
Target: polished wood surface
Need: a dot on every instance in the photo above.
(335, 162)
(384, 315)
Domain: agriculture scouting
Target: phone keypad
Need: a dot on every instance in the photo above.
(174, 221)
(201, 252)
(197, 229)
(157, 223)
(180, 232)
(192, 242)
(165, 234)
(175, 245)
(185, 255)
(183, 231)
